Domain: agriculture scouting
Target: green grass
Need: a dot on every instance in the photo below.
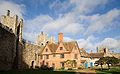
(111, 71)
(35, 72)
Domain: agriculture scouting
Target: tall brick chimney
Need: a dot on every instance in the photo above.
(60, 37)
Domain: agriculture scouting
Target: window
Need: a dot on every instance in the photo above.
(41, 57)
(81, 51)
(46, 50)
(61, 55)
(54, 55)
(75, 56)
(61, 48)
(62, 64)
(47, 56)
(53, 65)
(35, 56)
(47, 63)
(32, 64)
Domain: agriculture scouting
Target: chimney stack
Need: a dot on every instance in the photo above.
(8, 12)
(91, 51)
(60, 37)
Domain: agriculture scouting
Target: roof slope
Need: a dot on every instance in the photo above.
(69, 45)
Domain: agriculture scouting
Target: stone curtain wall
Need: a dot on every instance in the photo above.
(30, 53)
(7, 48)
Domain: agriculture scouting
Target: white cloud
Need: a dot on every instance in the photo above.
(66, 24)
(34, 26)
(59, 6)
(30, 36)
(77, 6)
(99, 23)
(73, 28)
(87, 6)
(87, 43)
(37, 23)
(67, 39)
(13, 7)
(110, 43)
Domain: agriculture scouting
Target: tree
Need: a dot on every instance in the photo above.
(70, 63)
(107, 60)
(101, 61)
(111, 60)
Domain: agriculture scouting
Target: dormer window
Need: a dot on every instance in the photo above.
(61, 48)
(46, 50)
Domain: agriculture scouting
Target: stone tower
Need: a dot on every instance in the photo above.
(42, 39)
(51, 40)
(12, 23)
(21, 29)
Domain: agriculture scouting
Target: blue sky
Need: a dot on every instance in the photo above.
(91, 23)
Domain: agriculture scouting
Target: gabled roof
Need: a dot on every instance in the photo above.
(83, 52)
(69, 45)
(96, 55)
(52, 47)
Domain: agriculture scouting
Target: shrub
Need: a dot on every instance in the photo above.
(69, 68)
(80, 68)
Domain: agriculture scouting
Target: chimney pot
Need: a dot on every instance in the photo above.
(8, 12)
(60, 37)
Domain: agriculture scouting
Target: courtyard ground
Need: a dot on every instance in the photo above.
(115, 70)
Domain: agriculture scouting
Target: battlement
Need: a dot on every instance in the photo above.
(6, 28)
(12, 24)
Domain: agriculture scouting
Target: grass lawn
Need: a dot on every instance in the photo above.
(35, 72)
(111, 71)
(98, 71)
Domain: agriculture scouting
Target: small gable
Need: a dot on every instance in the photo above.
(75, 48)
(69, 45)
(61, 48)
(66, 47)
(53, 47)
(46, 50)
(49, 48)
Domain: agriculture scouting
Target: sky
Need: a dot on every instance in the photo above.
(92, 23)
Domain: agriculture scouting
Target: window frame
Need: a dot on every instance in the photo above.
(47, 56)
(61, 48)
(62, 55)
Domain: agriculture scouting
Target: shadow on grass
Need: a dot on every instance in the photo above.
(107, 71)
(29, 71)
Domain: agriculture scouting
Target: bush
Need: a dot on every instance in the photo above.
(62, 68)
(69, 68)
(80, 68)
(36, 67)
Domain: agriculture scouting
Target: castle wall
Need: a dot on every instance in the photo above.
(7, 48)
(30, 54)
(10, 30)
